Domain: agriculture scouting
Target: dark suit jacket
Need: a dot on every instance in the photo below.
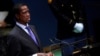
(62, 10)
(21, 44)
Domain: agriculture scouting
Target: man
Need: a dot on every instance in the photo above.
(20, 42)
(71, 21)
(71, 17)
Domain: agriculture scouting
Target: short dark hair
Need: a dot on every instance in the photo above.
(16, 8)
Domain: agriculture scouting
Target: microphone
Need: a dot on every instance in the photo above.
(62, 43)
(65, 43)
(55, 46)
(52, 41)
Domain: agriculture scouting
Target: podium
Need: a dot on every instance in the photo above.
(54, 48)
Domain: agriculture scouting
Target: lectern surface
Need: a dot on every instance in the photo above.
(57, 52)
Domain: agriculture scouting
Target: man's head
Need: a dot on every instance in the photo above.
(22, 13)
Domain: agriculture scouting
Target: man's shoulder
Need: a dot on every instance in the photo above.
(13, 30)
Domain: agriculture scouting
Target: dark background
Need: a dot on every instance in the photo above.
(46, 24)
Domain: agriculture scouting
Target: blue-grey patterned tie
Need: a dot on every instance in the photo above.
(32, 34)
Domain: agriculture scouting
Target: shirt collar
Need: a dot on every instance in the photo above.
(21, 25)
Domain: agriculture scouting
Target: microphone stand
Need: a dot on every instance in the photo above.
(82, 51)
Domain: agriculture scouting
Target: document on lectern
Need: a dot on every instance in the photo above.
(54, 48)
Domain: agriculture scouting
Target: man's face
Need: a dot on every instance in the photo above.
(24, 15)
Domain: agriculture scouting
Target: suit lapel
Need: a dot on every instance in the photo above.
(26, 36)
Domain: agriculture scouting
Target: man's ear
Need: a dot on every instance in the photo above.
(17, 16)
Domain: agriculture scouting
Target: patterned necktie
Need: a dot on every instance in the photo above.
(31, 34)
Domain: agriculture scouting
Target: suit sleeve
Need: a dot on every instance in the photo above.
(14, 48)
(57, 9)
(63, 11)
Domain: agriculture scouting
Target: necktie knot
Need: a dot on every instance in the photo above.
(28, 28)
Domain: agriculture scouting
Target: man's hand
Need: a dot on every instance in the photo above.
(43, 54)
(49, 54)
(3, 24)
